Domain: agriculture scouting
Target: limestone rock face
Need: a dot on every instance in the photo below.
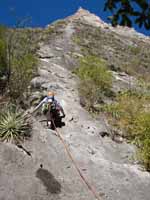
(96, 21)
(90, 18)
(48, 174)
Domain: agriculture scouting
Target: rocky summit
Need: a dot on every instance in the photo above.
(108, 166)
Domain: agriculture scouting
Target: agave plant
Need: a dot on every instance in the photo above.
(14, 125)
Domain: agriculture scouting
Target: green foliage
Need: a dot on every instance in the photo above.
(95, 69)
(3, 59)
(49, 31)
(96, 80)
(145, 86)
(23, 70)
(14, 125)
(60, 23)
(144, 153)
(89, 93)
(76, 39)
(123, 10)
(141, 127)
(19, 59)
(123, 56)
(134, 50)
(131, 114)
(21, 42)
(125, 111)
(3, 51)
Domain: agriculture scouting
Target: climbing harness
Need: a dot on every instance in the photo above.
(75, 165)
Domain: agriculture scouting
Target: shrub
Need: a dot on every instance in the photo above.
(134, 49)
(94, 68)
(14, 125)
(89, 94)
(144, 153)
(131, 114)
(23, 70)
(3, 51)
(17, 60)
(96, 80)
(125, 110)
(3, 63)
(141, 128)
(3, 59)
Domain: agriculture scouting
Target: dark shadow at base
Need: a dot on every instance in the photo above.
(49, 181)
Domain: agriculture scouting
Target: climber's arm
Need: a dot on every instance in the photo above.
(60, 108)
(62, 111)
(40, 104)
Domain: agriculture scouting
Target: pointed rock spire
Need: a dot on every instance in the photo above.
(90, 18)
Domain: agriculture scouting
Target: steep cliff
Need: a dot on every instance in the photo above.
(108, 166)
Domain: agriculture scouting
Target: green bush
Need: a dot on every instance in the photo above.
(95, 69)
(17, 60)
(96, 80)
(3, 51)
(144, 153)
(125, 110)
(14, 125)
(134, 49)
(89, 94)
(3, 59)
(141, 128)
(131, 114)
(23, 70)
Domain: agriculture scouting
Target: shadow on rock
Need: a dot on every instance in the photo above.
(59, 123)
(49, 181)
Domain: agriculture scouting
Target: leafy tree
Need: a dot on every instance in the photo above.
(124, 12)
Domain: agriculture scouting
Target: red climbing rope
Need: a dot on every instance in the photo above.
(73, 161)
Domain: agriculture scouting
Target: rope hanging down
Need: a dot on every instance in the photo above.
(75, 165)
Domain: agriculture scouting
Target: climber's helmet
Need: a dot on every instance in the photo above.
(51, 95)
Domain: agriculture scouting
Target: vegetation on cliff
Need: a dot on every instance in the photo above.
(130, 114)
(96, 80)
(18, 65)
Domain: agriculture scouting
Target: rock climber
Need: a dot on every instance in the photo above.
(49, 104)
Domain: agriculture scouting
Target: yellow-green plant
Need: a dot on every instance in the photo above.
(3, 51)
(94, 68)
(125, 110)
(89, 93)
(14, 125)
(23, 70)
(141, 128)
(96, 80)
(131, 114)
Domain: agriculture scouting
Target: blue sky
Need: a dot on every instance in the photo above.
(44, 12)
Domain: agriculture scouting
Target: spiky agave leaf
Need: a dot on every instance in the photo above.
(14, 126)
